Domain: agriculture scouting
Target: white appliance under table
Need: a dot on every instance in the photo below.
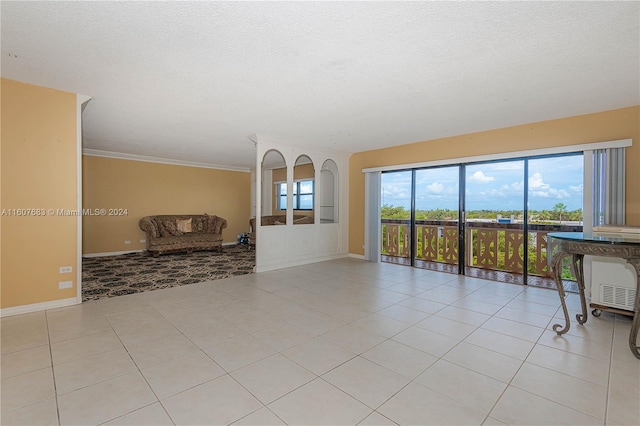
(613, 281)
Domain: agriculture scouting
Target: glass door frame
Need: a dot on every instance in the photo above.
(464, 243)
(413, 247)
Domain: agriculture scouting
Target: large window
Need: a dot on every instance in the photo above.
(302, 195)
(483, 217)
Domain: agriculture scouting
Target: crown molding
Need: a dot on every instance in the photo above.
(149, 159)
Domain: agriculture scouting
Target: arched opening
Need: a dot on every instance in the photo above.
(274, 181)
(303, 191)
(328, 192)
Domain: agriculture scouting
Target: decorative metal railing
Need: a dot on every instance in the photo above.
(396, 240)
(438, 241)
(489, 245)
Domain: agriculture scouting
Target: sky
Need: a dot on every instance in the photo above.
(491, 186)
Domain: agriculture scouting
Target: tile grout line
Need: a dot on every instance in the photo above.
(53, 371)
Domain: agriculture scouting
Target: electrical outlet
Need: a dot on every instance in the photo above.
(65, 284)
(143, 241)
(127, 242)
(66, 269)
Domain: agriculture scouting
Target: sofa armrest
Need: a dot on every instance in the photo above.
(219, 224)
(149, 226)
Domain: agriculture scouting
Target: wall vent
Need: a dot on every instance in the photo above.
(619, 297)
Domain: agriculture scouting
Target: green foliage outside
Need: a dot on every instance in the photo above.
(558, 214)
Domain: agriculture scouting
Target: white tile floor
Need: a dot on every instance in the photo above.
(341, 342)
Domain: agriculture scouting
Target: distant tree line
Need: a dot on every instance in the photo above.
(558, 213)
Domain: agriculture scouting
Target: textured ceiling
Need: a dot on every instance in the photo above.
(191, 80)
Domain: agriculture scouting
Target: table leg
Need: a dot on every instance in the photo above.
(578, 270)
(556, 267)
(635, 325)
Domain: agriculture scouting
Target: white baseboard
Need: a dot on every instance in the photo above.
(300, 262)
(111, 253)
(36, 307)
(357, 256)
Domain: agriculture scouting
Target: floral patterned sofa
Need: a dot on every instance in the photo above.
(174, 233)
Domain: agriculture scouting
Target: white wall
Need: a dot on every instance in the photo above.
(288, 245)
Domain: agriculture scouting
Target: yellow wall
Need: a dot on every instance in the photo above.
(145, 189)
(605, 126)
(39, 171)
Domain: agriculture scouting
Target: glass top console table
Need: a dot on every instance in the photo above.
(579, 244)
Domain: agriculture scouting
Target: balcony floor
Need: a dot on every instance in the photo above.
(486, 274)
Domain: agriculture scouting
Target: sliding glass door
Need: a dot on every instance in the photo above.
(395, 215)
(485, 219)
(437, 201)
(555, 200)
(494, 220)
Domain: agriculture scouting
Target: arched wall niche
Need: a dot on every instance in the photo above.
(304, 186)
(328, 192)
(274, 170)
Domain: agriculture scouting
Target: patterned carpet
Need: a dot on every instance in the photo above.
(111, 276)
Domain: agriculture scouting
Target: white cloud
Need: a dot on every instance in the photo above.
(536, 183)
(517, 187)
(435, 188)
(543, 190)
(577, 188)
(479, 176)
(559, 194)
(541, 194)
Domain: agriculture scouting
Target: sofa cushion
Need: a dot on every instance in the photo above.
(168, 227)
(199, 223)
(162, 232)
(184, 225)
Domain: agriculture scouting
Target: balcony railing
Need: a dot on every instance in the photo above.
(489, 245)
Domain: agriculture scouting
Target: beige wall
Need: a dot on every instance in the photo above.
(145, 189)
(605, 126)
(39, 171)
